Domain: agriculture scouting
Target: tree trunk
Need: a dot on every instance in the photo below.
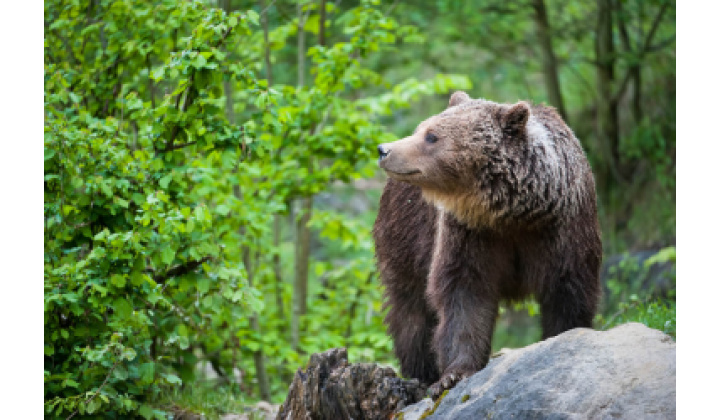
(302, 262)
(330, 388)
(268, 65)
(634, 70)
(227, 84)
(277, 220)
(302, 240)
(277, 236)
(550, 69)
(301, 45)
(608, 136)
(258, 357)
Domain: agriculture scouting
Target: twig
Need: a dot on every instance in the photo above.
(645, 49)
(96, 392)
(268, 6)
(178, 146)
(617, 314)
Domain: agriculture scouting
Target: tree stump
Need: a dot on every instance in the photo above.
(331, 388)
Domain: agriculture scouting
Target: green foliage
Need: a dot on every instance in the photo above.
(629, 300)
(204, 398)
(159, 208)
(626, 278)
(659, 314)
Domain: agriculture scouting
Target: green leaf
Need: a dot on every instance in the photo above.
(173, 379)
(118, 280)
(105, 188)
(93, 405)
(122, 308)
(129, 354)
(121, 202)
(49, 153)
(168, 255)
(71, 383)
(312, 24)
(146, 411)
(222, 209)
(120, 373)
(203, 285)
(147, 372)
(253, 16)
(165, 181)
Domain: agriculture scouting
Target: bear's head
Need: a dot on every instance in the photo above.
(446, 150)
(449, 154)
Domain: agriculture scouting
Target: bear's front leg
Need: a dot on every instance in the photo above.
(462, 338)
(411, 325)
(461, 291)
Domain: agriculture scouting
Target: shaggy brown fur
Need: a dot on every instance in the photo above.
(485, 202)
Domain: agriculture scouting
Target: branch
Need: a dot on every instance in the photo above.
(179, 270)
(645, 49)
(624, 37)
(177, 146)
(185, 103)
(268, 6)
(96, 392)
(661, 45)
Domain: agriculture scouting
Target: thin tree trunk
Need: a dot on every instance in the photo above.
(302, 262)
(258, 357)
(229, 111)
(268, 65)
(608, 135)
(277, 219)
(301, 45)
(302, 240)
(550, 69)
(277, 236)
(635, 70)
(227, 84)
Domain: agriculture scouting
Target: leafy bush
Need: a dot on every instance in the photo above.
(631, 301)
(160, 209)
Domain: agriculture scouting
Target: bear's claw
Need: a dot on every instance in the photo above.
(448, 381)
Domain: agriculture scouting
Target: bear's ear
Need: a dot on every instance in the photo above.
(458, 97)
(516, 118)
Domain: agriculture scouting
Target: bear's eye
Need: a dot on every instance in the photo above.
(431, 138)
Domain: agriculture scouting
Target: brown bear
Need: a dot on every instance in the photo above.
(485, 202)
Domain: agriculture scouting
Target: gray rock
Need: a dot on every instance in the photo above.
(624, 373)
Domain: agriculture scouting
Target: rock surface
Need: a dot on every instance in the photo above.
(624, 373)
(331, 388)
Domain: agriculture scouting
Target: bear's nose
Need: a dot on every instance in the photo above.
(383, 151)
